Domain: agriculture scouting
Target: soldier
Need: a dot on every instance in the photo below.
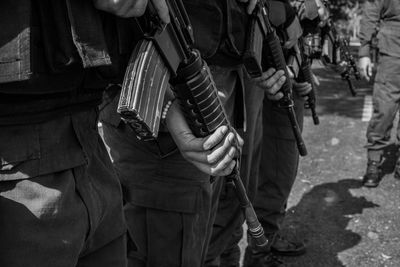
(168, 200)
(60, 199)
(386, 86)
(280, 157)
(227, 232)
(167, 186)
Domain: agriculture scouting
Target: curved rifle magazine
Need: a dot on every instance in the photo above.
(143, 90)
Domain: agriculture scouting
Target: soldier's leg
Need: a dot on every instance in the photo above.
(224, 250)
(277, 174)
(386, 97)
(168, 200)
(279, 166)
(100, 190)
(226, 213)
(60, 218)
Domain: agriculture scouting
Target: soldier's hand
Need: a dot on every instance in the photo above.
(271, 81)
(251, 5)
(302, 89)
(316, 80)
(214, 154)
(366, 67)
(132, 8)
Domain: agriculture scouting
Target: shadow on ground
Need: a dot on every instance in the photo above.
(321, 219)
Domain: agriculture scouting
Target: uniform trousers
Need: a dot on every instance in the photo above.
(167, 200)
(279, 164)
(60, 199)
(227, 229)
(386, 99)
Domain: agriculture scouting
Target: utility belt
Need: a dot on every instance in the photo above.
(17, 110)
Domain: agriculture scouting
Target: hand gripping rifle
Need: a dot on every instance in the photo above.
(166, 53)
(263, 50)
(300, 65)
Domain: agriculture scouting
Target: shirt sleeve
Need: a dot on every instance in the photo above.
(370, 18)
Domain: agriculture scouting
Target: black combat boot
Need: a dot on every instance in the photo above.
(373, 175)
(285, 247)
(261, 259)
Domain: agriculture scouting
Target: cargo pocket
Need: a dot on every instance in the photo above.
(19, 152)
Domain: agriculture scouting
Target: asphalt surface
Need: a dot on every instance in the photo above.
(341, 222)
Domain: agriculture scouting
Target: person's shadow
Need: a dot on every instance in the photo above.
(321, 219)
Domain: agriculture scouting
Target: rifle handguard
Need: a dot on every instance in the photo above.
(198, 95)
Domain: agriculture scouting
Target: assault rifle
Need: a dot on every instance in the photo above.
(340, 54)
(307, 76)
(348, 65)
(264, 50)
(165, 57)
(300, 65)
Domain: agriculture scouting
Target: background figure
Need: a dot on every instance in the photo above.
(386, 94)
(280, 157)
(223, 52)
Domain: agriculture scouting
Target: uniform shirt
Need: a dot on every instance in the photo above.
(387, 14)
(55, 58)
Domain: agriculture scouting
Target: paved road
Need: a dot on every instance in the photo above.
(342, 223)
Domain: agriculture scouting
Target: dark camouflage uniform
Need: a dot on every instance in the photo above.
(386, 94)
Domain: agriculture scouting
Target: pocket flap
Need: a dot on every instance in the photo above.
(17, 144)
(166, 196)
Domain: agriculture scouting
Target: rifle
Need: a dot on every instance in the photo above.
(263, 50)
(171, 47)
(348, 65)
(307, 76)
(340, 55)
(300, 65)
